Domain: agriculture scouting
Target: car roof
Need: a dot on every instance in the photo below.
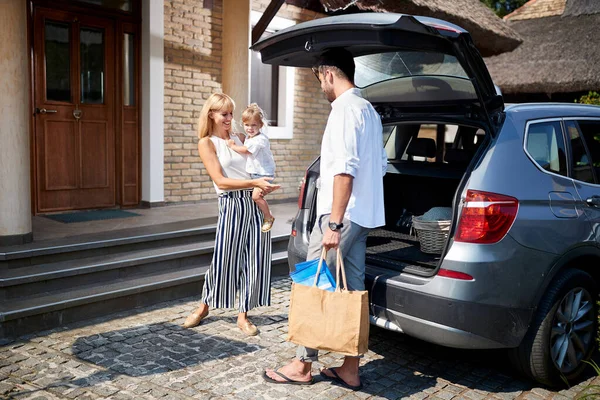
(528, 111)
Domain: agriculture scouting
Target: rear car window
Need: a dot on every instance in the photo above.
(374, 68)
(581, 164)
(545, 145)
(590, 130)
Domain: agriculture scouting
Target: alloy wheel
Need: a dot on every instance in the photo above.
(572, 332)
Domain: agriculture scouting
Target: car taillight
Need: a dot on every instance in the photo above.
(302, 190)
(485, 217)
(447, 273)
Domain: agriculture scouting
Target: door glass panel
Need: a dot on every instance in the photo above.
(123, 5)
(128, 70)
(58, 61)
(591, 133)
(92, 65)
(580, 163)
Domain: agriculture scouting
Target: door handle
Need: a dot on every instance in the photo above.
(44, 111)
(593, 201)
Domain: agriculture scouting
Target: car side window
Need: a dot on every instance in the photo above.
(590, 130)
(581, 165)
(545, 144)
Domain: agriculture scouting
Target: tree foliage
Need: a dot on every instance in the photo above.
(503, 7)
(590, 98)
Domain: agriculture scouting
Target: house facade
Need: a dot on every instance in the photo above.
(100, 100)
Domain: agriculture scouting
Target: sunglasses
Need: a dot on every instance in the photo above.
(315, 71)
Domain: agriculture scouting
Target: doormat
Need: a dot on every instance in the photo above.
(96, 215)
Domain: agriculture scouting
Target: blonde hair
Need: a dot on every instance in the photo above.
(216, 102)
(254, 111)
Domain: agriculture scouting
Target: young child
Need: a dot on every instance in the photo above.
(260, 160)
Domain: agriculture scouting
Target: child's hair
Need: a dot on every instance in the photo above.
(254, 111)
(216, 102)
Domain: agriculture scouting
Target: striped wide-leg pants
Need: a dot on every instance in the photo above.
(241, 262)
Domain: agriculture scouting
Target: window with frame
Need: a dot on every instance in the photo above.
(581, 165)
(590, 130)
(545, 144)
(272, 87)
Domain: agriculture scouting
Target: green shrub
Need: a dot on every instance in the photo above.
(590, 98)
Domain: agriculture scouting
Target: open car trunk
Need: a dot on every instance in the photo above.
(426, 165)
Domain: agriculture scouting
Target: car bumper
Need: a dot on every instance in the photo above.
(446, 321)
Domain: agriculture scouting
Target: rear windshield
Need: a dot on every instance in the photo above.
(380, 67)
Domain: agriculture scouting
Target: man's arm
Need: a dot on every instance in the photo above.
(342, 189)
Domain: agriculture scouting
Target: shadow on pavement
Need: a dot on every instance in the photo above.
(405, 366)
(156, 348)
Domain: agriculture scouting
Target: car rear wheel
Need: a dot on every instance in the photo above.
(563, 331)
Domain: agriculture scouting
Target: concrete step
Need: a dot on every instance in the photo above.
(48, 284)
(105, 243)
(43, 278)
(53, 309)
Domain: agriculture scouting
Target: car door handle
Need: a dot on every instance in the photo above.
(593, 201)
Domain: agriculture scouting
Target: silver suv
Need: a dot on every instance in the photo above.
(521, 264)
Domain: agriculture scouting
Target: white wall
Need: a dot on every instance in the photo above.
(15, 192)
(152, 101)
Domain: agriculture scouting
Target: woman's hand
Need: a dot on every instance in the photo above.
(265, 185)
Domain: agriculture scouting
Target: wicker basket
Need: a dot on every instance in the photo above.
(432, 234)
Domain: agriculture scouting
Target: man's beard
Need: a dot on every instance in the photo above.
(329, 94)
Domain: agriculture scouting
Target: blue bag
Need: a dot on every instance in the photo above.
(306, 272)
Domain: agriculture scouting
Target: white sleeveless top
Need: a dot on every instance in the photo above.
(232, 163)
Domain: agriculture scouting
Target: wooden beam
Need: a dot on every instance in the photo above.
(265, 20)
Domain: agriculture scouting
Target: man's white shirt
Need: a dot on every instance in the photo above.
(353, 145)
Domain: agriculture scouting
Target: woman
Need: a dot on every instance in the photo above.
(242, 258)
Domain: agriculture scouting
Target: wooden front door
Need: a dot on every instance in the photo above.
(74, 100)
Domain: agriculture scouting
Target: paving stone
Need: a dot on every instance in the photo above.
(146, 354)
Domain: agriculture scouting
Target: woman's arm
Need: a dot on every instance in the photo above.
(208, 154)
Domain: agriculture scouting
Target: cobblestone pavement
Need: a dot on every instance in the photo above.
(147, 355)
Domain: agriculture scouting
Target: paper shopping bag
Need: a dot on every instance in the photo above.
(306, 272)
(333, 321)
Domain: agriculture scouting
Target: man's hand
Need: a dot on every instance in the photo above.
(331, 239)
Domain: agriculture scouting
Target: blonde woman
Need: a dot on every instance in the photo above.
(241, 263)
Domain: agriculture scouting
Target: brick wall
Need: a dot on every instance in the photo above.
(193, 55)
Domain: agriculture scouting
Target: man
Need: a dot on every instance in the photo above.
(350, 199)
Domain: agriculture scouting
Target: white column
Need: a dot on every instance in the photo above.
(152, 101)
(236, 53)
(15, 179)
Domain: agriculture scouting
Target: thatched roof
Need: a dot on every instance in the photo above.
(537, 9)
(581, 7)
(490, 34)
(559, 54)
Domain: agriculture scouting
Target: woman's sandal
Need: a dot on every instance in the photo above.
(267, 224)
(194, 319)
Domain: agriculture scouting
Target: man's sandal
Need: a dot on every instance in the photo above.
(287, 380)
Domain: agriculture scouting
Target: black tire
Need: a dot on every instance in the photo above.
(553, 356)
